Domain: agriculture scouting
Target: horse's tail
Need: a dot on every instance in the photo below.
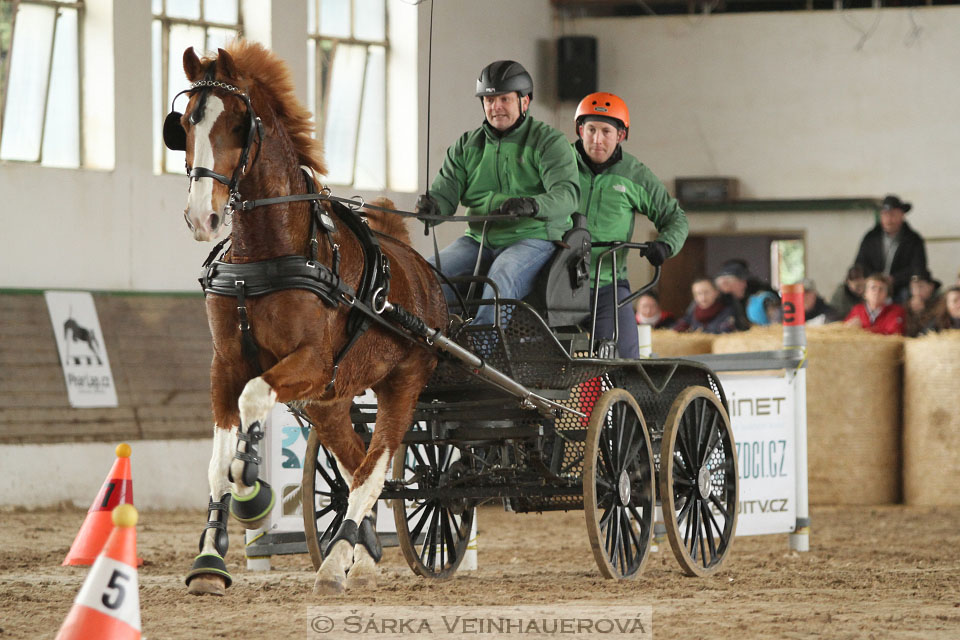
(387, 223)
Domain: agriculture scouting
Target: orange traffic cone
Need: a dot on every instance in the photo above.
(108, 604)
(117, 489)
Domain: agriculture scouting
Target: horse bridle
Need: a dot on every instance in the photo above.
(175, 136)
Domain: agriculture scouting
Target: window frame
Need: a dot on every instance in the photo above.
(58, 5)
(166, 22)
(323, 66)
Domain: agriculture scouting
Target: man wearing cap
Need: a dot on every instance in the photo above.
(922, 302)
(893, 247)
(614, 187)
(513, 166)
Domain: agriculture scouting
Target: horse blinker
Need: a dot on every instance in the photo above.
(174, 135)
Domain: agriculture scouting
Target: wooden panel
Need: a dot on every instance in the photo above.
(159, 349)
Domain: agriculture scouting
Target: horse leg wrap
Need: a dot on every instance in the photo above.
(254, 507)
(217, 527)
(348, 531)
(369, 539)
(251, 461)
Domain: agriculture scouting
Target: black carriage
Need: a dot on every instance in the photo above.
(614, 437)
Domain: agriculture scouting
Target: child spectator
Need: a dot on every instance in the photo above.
(648, 311)
(922, 303)
(947, 313)
(816, 310)
(763, 308)
(850, 292)
(710, 311)
(876, 313)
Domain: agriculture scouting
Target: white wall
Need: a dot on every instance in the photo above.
(783, 101)
(787, 103)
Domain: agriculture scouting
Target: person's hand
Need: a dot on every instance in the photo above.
(522, 207)
(427, 204)
(658, 252)
(853, 322)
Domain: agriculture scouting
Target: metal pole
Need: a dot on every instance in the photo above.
(795, 336)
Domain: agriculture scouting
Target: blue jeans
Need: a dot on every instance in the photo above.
(513, 269)
(627, 342)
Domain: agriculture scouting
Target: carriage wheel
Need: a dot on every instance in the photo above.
(698, 481)
(433, 532)
(618, 485)
(324, 492)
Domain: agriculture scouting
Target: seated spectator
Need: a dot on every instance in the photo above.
(710, 311)
(648, 311)
(850, 293)
(764, 308)
(876, 313)
(922, 302)
(947, 313)
(816, 310)
(734, 279)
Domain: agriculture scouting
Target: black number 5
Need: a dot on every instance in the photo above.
(120, 590)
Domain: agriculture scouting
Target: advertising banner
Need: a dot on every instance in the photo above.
(83, 354)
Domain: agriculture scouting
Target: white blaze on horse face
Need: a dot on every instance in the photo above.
(205, 222)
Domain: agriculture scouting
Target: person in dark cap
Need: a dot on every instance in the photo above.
(734, 280)
(893, 247)
(922, 303)
(511, 166)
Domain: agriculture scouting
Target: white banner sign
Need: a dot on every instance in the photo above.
(762, 416)
(83, 354)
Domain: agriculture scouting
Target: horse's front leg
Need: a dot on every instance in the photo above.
(209, 573)
(252, 497)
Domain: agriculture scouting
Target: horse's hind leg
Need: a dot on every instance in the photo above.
(209, 573)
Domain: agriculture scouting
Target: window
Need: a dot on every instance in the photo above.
(354, 46)
(204, 25)
(41, 93)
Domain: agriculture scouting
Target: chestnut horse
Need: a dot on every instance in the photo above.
(243, 120)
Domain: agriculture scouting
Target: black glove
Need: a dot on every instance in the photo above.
(523, 207)
(658, 252)
(427, 204)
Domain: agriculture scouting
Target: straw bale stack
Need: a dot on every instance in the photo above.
(853, 409)
(667, 343)
(931, 420)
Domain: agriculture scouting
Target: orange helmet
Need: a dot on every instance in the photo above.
(604, 106)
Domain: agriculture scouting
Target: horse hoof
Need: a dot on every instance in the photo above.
(207, 585)
(361, 580)
(328, 587)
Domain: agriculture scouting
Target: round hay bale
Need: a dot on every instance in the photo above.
(853, 409)
(667, 343)
(931, 420)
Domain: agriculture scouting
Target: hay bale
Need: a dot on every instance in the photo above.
(931, 420)
(853, 409)
(667, 343)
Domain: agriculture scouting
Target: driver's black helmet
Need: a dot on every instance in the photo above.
(504, 76)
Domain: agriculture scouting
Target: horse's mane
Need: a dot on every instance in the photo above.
(387, 223)
(270, 80)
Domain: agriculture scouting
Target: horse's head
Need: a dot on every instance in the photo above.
(221, 136)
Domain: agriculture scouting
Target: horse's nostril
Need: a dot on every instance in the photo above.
(186, 219)
(214, 221)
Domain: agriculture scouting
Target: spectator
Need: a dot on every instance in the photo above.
(816, 310)
(947, 313)
(616, 187)
(734, 278)
(922, 303)
(512, 165)
(764, 308)
(893, 247)
(876, 313)
(648, 311)
(710, 311)
(850, 292)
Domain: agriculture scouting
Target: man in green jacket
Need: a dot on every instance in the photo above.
(514, 166)
(613, 187)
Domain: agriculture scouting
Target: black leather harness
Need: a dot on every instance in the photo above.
(252, 279)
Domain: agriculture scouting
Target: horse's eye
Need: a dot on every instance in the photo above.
(238, 129)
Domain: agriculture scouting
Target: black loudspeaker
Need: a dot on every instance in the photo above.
(576, 67)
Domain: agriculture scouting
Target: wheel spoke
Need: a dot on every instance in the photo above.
(713, 440)
(644, 525)
(607, 457)
(620, 417)
(424, 518)
(694, 530)
(707, 519)
(719, 505)
(415, 450)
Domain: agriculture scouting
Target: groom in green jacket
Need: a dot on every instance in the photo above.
(512, 165)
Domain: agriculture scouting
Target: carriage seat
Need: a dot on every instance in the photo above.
(561, 294)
